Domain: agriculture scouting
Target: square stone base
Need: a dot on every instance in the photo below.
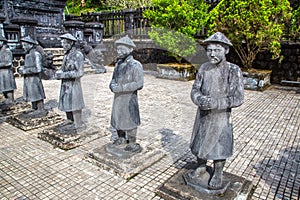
(176, 188)
(26, 123)
(125, 167)
(180, 72)
(71, 140)
(14, 108)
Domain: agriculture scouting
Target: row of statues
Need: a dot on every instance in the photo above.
(217, 89)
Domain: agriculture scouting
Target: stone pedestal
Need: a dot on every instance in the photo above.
(121, 163)
(255, 79)
(67, 140)
(13, 109)
(177, 187)
(181, 72)
(29, 120)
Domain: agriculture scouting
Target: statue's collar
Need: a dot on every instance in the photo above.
(125, 60)
(73, 49)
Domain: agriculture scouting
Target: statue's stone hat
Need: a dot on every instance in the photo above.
(2, 38)
(217, 37)
(125, 41)
(68, 36)
(28, 39)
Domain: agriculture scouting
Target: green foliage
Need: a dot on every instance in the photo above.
(294, 31)
(126, 4)
(76, 7)
(174, 24)
(252, 26)
(178, 45)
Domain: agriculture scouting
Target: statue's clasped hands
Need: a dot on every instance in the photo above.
(115, 87)
(58, 74)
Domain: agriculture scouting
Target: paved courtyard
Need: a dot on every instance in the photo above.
(266, 152)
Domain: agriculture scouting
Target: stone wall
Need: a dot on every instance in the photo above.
(288, 69)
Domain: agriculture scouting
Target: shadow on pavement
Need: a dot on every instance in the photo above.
(285, 170)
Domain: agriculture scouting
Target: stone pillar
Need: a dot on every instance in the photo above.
(76, 28)
(93, 33)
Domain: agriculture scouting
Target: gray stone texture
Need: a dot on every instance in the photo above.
(7, 80)
(71, 96)
(33, 89)
(266, 150)
(212, 136)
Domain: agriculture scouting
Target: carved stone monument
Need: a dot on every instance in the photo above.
(94, 57)
(41, 19)
(7, 80)
(33, 90)
(217, 89)
(73, 131)
(125, 156)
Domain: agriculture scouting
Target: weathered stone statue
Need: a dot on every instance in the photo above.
(218, 87)
(71, 96)
(127, 79)
(33, 90)
(7, 80)
(94, 57)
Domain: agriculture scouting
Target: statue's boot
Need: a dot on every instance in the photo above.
(121, 138)
(200, 170)
(38, 109)
(216, 179)
(132, 145)
(79, 125)
(9, 97)
(70, 116)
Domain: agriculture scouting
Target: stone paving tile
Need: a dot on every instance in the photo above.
(266, 152)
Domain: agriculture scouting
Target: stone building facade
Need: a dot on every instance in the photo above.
(43, 20)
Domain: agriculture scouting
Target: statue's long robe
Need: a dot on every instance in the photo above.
(33, 89)
(71, 96)
(125, 112)
(7, 80)
(222, 86)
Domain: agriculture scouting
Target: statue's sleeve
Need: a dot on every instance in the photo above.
(36, 65)
(6, 59)
(113, 79)
(236, 96)
(196, 88)
(137, 79)
(75, 67)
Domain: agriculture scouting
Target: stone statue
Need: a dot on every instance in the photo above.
(127, 79)
(7, 79)
(94, 57)
(33, 90)
(218, 87)
(71, 96)
(49, 70)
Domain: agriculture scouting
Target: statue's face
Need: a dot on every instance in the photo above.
(123, 51)
(66, 44)
(27, 46)
(216, 53)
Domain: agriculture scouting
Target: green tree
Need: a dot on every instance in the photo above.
(294, 30)
(174, 24)
(81, 6)
(253, 26)
(126, 4)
